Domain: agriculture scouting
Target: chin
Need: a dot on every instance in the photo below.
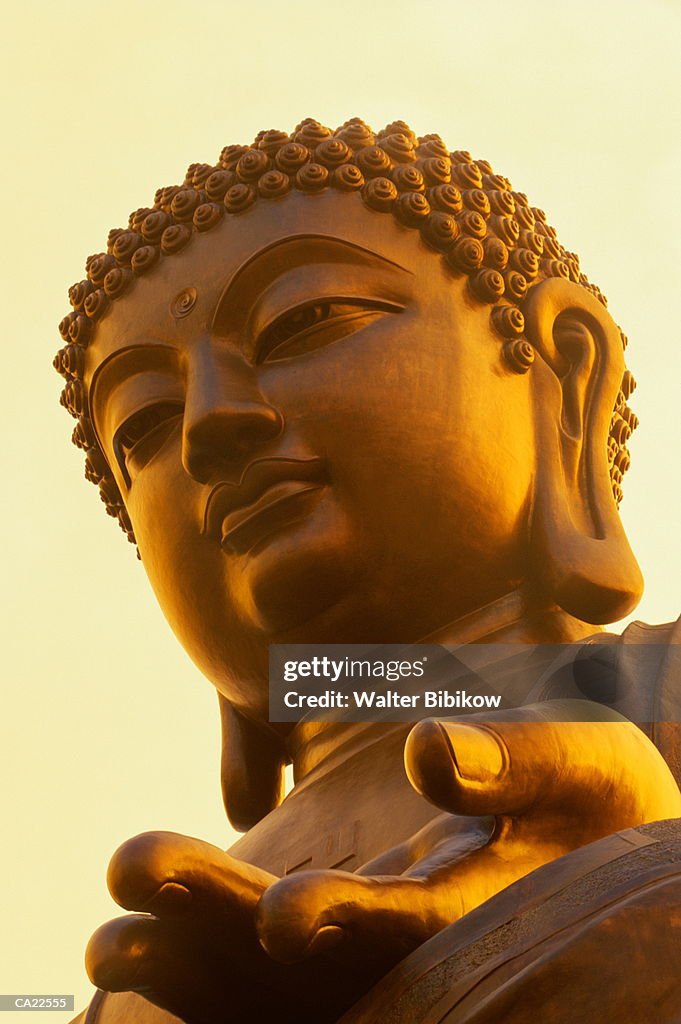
(294, 578)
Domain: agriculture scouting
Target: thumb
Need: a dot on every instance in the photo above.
(541, 758)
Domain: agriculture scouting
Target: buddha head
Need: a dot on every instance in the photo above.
(349, 387)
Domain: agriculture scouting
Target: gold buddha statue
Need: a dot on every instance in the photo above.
(346, 387)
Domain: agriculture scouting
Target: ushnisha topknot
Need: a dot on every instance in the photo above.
(472, 217)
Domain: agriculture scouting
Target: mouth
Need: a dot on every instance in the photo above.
(271, 494)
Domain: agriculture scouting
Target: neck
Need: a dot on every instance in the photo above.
(510, 619)
(513, 619)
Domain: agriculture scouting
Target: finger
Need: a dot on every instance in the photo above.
(370, 919)
(377, 921)
(449, 763)
(172, 875)
(534, 761)
(141, 954)
(117, 953)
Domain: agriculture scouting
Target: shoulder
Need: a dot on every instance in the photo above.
(637, 673)
(647, 633)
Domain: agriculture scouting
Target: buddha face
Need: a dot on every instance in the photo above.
(315, 435)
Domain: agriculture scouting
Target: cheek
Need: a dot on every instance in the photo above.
(438, 446)
(373, 404)
(495, 459)
(165, 507)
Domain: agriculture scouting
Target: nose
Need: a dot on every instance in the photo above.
(225, 417)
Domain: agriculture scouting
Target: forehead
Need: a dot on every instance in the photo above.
(304, 230)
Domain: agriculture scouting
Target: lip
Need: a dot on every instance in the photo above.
(271, 493)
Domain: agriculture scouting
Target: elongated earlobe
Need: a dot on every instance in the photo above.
(252, 769)
(582, 559)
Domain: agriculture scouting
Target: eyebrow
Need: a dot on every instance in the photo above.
(132, 353)
(272, 261)
(135, 357)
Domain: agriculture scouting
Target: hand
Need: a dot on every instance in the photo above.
(543, 787)
(550, 784)
(196, 920)
(192, 947)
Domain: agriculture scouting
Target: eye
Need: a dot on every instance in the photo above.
(308, 327)
(143, 434)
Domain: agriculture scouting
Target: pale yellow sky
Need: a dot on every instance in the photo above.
(108, 729)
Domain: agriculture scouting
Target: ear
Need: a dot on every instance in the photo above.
(581, 555)
(252, 768)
